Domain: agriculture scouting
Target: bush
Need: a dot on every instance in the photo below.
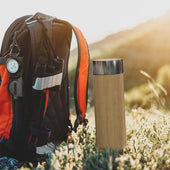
(163, 78)
(139, 96)
(148, 146)
(147, 95)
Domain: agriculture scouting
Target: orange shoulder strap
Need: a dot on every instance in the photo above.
(81, 79)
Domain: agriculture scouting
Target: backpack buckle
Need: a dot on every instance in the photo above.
(39, 15)
(48, 75)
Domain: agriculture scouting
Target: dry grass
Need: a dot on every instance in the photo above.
(148, 146)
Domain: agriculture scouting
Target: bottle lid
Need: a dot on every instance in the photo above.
(107, 66)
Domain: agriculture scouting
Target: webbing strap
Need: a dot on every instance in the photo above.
(35, 29)
(81, 80)
(3, 60)
(35, 38)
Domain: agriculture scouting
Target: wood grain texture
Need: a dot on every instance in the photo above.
(109, 111)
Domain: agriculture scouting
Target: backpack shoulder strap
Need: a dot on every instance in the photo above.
(35, 25)
(81, 79)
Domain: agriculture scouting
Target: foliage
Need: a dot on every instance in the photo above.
(163, 78)
(148, 146)
(139, 96)
(148, 137)
(149, 94)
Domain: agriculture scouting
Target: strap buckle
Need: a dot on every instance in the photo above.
(79, 121)
(34, 18)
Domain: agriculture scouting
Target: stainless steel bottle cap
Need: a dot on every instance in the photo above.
(107, 66)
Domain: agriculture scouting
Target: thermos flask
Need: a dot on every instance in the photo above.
(109, 103)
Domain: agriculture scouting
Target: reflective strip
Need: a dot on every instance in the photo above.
(47, 82)
(45, 149)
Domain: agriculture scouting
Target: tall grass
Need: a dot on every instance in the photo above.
(148, 146)
(150, 94)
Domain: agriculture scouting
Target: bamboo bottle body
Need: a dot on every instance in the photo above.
(109, 111)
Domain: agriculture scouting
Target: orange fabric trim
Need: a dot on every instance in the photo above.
(29, 139)
(83, 73)
(36, 141)
(6, 112)
(46, 101)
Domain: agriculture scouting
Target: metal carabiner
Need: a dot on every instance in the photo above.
(14, 48)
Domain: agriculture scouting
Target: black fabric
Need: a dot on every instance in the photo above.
(8, 37)
(13, 150)
(41, 51)
(57, 116)
(3, 60)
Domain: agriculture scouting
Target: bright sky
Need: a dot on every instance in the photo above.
(96, 18)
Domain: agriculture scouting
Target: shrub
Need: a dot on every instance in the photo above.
(163, 78)
(147, 95)
(148, 146)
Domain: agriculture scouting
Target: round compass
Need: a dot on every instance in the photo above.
(12, 65)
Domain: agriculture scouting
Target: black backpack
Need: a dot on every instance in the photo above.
(34, 94)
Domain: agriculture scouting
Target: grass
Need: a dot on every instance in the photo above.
(148, 146)
(148, 136)
(149, 94)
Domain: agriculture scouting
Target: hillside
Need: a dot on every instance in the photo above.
(146, 47)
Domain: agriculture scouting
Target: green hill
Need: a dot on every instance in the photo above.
(146, 47)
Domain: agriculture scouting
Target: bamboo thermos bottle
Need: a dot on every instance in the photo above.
(109, 103)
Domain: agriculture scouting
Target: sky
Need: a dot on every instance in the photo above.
(95, 18)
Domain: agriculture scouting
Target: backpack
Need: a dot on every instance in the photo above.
(34, 87)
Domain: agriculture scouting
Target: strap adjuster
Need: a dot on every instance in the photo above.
(79, 121)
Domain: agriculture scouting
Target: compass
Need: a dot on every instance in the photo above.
(12, 65)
